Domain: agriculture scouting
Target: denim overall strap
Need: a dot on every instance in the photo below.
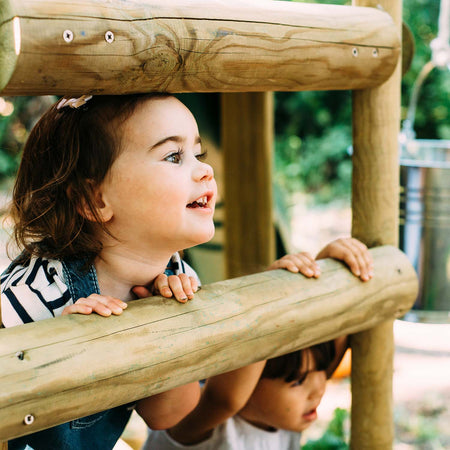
(99, 431)
(81, 278)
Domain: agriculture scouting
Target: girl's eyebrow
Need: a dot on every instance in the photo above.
(176, 139)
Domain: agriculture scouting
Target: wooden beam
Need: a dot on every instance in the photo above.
(247, 141)
(376, 123)
(117, 47)
(72, 366)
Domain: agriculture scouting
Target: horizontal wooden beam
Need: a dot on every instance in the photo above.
(72, 366)
(117, 47)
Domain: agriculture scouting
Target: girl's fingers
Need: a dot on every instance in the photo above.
(101, 304)
(176, 287)
(194, 283)
(354, 253)
(161, 285)
(306, 264)
(187, 285)
(77, 308)
(300, 262)
(181, 286)
(364, 258)
(358, 258)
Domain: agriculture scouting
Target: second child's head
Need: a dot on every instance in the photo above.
(114, 170)
(290, 389)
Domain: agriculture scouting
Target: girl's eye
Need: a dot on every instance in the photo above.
(202, 156)
(174, 157)
(300, 381)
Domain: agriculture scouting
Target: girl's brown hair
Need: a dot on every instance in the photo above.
(290, 367)
(68, 153)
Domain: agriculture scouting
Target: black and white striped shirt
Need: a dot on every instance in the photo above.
(38, 290)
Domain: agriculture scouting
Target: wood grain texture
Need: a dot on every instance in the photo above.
(247, 141)
(77, 365)
(375, 204)
(185, 46)
(8, 55)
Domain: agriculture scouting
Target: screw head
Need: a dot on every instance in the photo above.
(109, 37)
(20, 355)
(68, 36)
(28, 419)
(355, 52)
(375, 53)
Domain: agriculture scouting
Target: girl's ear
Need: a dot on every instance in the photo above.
(97, 210)
(102, 207)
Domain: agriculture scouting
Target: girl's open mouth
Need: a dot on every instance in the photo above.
(205, 201)
(310, 415)
(202, 202)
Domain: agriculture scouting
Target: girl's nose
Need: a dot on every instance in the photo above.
(317, 384)
(203, 172)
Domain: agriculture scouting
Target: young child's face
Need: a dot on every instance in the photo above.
(287, 406)
(159, 195)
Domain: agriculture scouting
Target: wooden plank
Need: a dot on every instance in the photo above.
(77, 365)
(247, 130)
(185, 46)
(376, 122)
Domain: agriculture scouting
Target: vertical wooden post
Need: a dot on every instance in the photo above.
(376, 122)
(247, 141)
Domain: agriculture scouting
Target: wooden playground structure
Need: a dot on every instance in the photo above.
(243, 49)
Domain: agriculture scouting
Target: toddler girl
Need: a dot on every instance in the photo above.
(283, 403)
(109, 189)
(266, 405)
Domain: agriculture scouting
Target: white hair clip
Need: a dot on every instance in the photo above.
(74, 102)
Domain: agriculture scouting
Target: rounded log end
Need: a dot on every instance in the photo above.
(10, 43)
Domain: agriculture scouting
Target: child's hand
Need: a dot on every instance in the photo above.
(181, 286)
(95, 303)
(354, 253)
(299, 262)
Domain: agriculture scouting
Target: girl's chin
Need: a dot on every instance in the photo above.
(202, 238)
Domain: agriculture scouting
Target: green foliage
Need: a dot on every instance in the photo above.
(313, 129)
(334, 437)
(15, 127)
(318, 163)
(432, 116)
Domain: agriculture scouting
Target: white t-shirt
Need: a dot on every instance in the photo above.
(234, 434)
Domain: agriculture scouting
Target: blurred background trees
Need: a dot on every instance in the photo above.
(313, 129)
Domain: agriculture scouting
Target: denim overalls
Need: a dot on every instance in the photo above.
(100, 431)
